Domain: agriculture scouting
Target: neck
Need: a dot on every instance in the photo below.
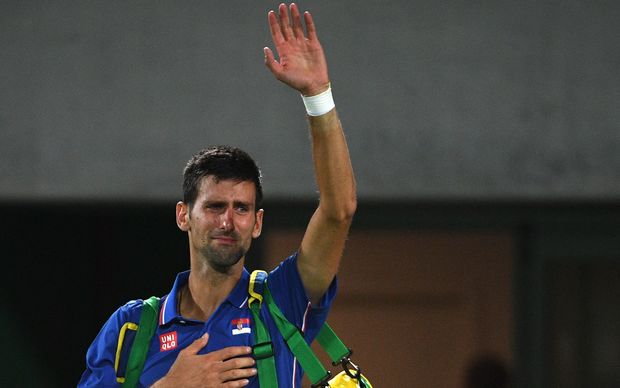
(206, 290)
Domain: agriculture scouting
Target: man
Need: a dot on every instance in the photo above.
(203, 338)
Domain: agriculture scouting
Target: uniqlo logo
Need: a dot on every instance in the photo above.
(168, 341)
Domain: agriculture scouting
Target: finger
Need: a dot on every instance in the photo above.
(310, 26)
(271, 62)
(231, 352)
(298, 30)
(238, 374)
(237, 383)
(237, 363)
(274, 28)
(198, 344)
(285, 24)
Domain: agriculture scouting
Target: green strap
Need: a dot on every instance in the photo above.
(263, 348)
(140, 347)
(326, 337)
(263, 351)
(339, 354)
(317, 374)
(332, 345)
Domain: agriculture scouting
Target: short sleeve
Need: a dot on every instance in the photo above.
(101, 354)
(289, 294)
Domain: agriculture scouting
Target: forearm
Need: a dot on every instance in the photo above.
(323, 243)
(302, 66)
(332, 164)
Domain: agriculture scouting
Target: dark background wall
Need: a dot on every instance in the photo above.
(68, 266)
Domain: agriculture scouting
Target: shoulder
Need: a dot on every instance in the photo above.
(287, 268)
(286, 280)
(131, 309)
(125, 317)
(104, 352)
(129, 312)
(285, 276)
(285, 284)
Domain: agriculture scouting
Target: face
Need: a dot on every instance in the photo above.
(222, 222)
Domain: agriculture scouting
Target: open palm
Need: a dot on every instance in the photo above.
(302, 63)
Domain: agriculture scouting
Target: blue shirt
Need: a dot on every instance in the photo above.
(230, 325)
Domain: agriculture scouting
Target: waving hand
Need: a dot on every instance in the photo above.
(301, 63)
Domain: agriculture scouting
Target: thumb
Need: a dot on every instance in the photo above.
(271, 62)
(198, 344)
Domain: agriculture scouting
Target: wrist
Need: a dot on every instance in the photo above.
(314, 89)
(319, 104)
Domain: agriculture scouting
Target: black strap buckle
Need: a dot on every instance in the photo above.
(351, 369)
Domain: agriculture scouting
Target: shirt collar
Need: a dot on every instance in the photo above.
(238, 297)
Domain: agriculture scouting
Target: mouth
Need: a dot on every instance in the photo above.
(227, 240)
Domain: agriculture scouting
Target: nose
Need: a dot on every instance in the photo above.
(226, 220)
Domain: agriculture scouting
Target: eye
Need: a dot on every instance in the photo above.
(215, 206)
(243, 208)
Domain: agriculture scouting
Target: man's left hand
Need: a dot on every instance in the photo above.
(302, 63)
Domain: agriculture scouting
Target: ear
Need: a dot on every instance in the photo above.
(258, 225)
(182, 215)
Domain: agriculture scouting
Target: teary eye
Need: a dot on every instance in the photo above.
(243, 208)
(215, 206)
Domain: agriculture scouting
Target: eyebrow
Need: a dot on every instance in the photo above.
(221, 203)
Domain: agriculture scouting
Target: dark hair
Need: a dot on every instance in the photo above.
(221, 162)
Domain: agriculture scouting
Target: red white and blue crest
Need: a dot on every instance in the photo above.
(241, 326)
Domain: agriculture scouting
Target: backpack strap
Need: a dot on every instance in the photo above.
(318, 375)
(340, 355)
(140, 346)
(263, 347)
(327, 338)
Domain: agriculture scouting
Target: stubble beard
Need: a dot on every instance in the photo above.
(222, 259)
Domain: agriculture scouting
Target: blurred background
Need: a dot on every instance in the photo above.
(484, 135)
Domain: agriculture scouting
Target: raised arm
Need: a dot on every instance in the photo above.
(302, 66)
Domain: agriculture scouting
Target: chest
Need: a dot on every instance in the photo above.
(225, 329)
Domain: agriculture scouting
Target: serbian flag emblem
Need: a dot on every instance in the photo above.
(241, 326)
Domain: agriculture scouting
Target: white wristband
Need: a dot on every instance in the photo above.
(320, 104)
